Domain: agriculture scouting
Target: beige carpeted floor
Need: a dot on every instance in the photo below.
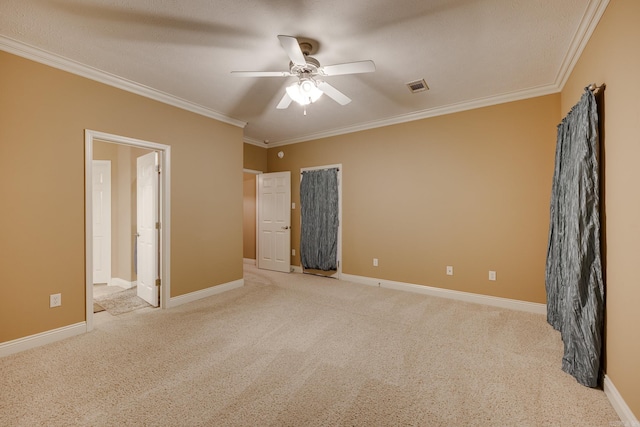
(294, 350)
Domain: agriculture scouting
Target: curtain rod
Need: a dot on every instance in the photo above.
(320, 169)
(594, 87)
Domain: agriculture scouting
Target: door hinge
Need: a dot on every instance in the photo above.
(158, 169)
(157, 226)
(157, 282)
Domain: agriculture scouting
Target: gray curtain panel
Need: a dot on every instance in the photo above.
(319, 213)
(574, 282)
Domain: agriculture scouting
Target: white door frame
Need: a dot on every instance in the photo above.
(164, 152)
(338, 274)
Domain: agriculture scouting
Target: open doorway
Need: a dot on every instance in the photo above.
(249, 219)
(138, 229)
(321, 220)
(117, 206)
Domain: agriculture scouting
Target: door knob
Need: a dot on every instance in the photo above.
(286, 227)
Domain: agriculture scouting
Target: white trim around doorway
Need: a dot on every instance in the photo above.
(165, 212)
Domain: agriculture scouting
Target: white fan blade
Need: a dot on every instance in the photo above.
(292, 47)
(348, 68)
(261, 73)
(334, 93)
(284, 102)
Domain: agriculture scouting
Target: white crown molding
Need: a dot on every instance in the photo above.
(593, 13)
(255, 142)
(511, 304)
(56, 61)
(424, 114)
(588, 23)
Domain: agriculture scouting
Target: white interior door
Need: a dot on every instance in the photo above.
(274, 221)
(148, 228)
(102, 221)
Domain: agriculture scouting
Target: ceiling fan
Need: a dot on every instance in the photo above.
(310, 85)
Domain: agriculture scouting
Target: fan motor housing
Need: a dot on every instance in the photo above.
(311, 67)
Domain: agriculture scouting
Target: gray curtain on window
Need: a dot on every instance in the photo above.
(574, 282)
(319, 213)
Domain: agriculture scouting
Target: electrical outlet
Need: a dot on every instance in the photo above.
(55, 300)
(375, 262)
(449, 270)
(293, 252)
(492, 275)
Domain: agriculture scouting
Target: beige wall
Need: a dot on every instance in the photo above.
(469, 189)
(43, 115)
(249, 216)
(124, 216)
(612, 57)
(255, 158)
(111, 152)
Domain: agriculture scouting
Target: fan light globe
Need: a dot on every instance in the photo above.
(304, 92)
(306, 87)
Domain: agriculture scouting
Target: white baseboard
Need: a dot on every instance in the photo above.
(627, 417)
(116, 281)
(204, 293)
(296, 269)
(47, 337)
(511, 304)
(37, 340)
(249, 261)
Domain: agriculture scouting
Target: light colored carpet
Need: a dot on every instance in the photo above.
(300, 350)
(121, 302)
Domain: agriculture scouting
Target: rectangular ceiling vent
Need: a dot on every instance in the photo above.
(417, 86)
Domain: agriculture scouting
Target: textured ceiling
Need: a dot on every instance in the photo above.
(470, 52)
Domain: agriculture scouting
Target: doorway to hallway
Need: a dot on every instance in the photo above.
(140, 206)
